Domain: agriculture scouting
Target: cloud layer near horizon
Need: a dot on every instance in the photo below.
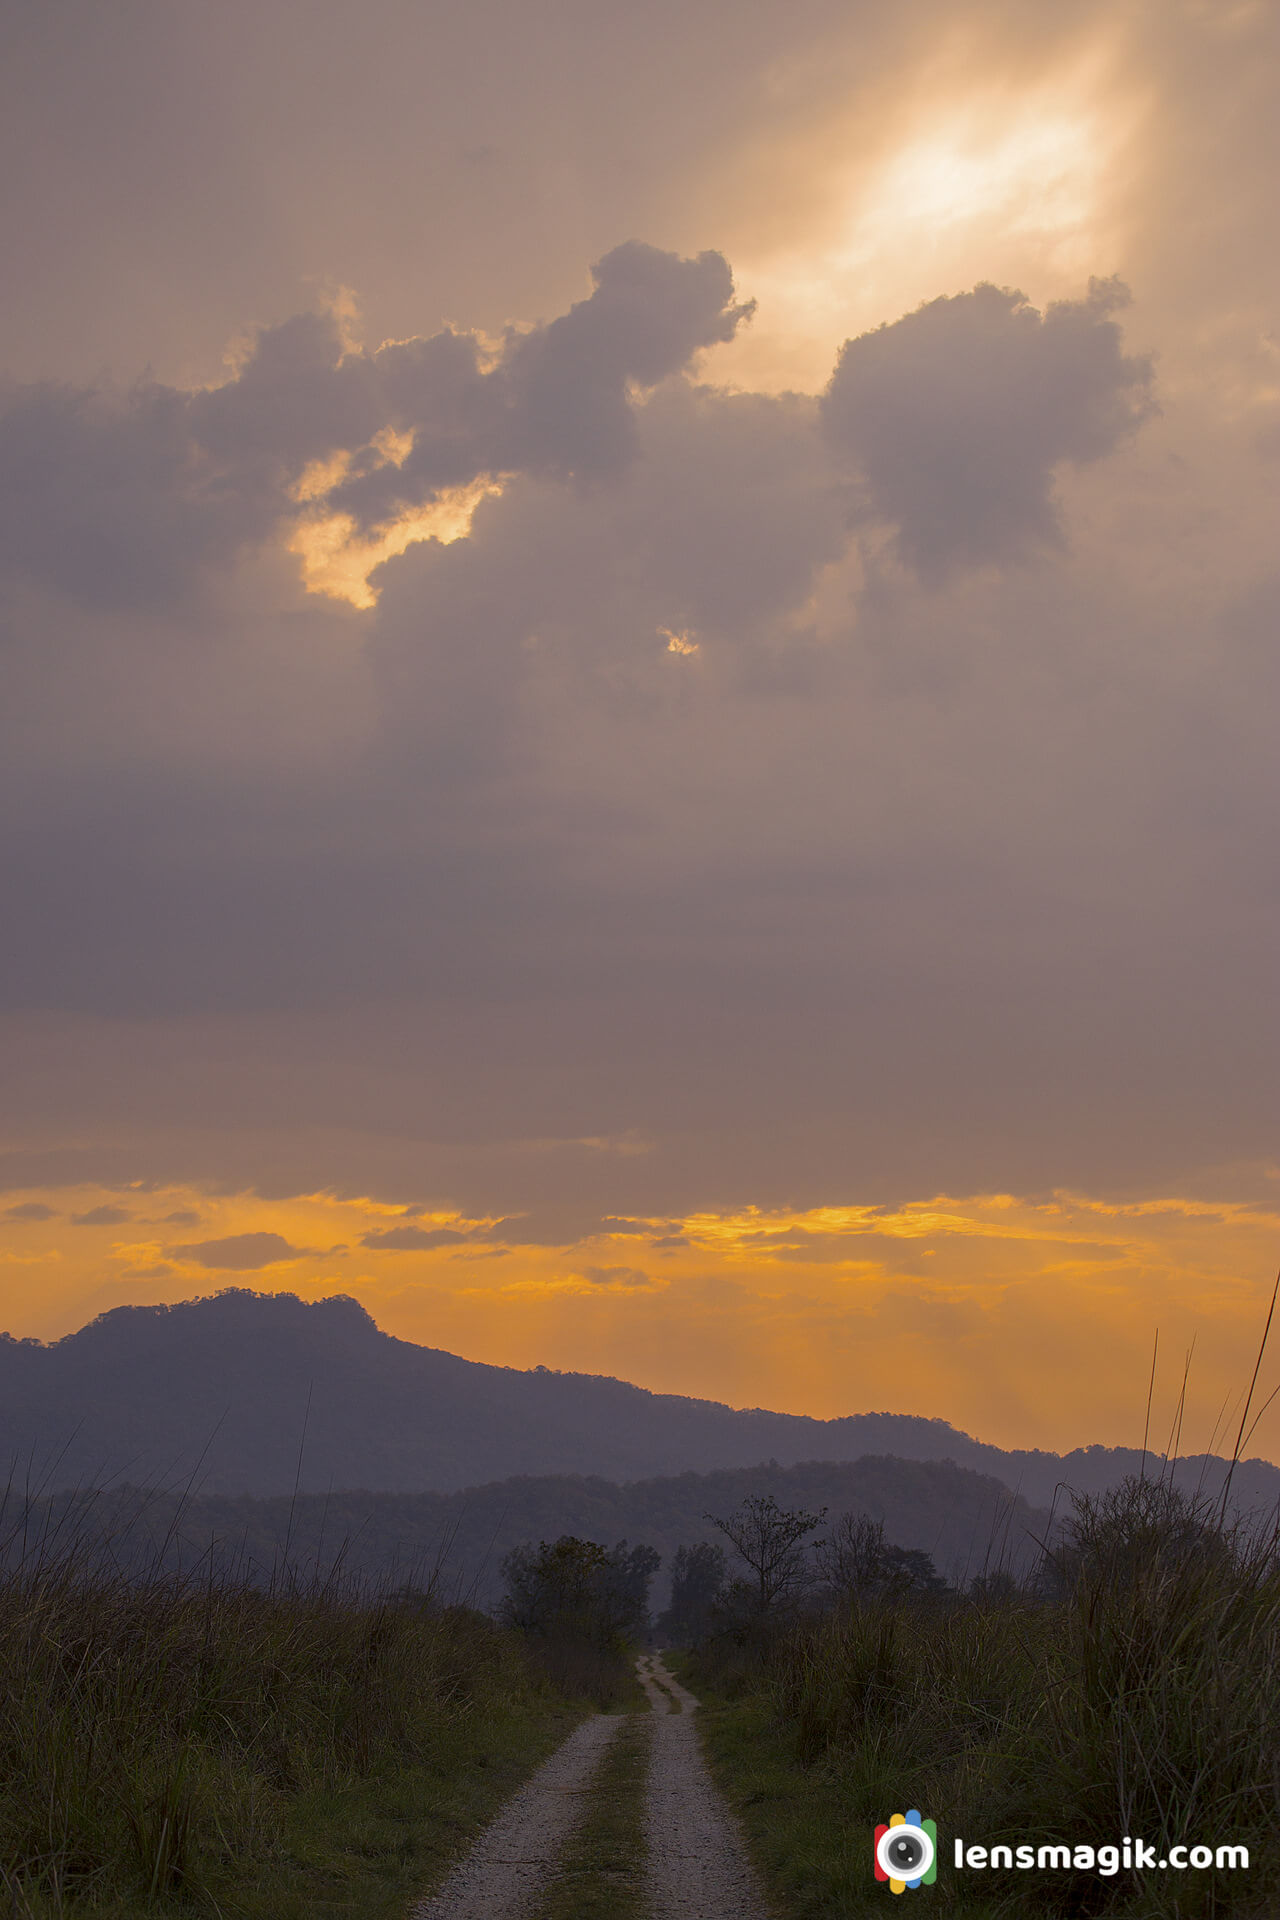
(776, 794)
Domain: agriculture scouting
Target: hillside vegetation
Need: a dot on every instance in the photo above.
(232, 1387)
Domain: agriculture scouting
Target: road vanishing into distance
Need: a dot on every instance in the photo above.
(695, 1866)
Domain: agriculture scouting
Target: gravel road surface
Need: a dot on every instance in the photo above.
(507, 1869)
(698, 1869)
(662, 1699)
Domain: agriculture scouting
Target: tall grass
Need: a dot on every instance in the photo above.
(1135, 1691)
(154, 1733)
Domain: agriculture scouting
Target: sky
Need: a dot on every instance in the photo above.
(639, 660)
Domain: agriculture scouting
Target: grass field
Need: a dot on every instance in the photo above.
(179, 1748)
(1139, 1698)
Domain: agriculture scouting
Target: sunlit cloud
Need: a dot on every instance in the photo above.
(337, 558)
(682, 643)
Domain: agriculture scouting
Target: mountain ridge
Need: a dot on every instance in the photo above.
(254, 1393)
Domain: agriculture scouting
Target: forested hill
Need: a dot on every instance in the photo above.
(224, 1388)
(966, 1521)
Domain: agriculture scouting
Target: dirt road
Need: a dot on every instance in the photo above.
(514, 1858)
(696, 1868)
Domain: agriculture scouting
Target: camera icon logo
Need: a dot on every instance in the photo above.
(906, 1852)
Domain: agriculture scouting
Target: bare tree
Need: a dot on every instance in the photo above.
(857, 1560)
(851, 1558)
(769, 1539)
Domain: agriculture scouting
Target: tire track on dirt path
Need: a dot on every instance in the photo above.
(660, 1699)
(698, 1867)
(515, 1858)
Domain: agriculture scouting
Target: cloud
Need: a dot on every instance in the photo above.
(540, 897)
(123, 499)
(181, 1217)
(239, 1252)
(957, 415)
(566, 385)
(31, 1210)
(886, 889)
(615, 1276)
(110, 498)
(405, 1239)
(101, 1217)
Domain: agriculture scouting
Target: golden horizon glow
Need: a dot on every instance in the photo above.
(1026, 1321)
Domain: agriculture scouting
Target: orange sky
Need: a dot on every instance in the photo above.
(1029, 1322)
(769, 842)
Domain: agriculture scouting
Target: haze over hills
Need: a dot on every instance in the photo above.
(225, 1387)
(967, 1522)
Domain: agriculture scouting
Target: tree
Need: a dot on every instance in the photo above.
(625, 1588)
(911, 1570)
(769, 1540)
(576, 1589)
(851, 1558)
(697, 1580)
(856, 1561)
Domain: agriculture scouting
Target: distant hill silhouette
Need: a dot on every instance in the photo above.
(222, 1388)
(966, 1521)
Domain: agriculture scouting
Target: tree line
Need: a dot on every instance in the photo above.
(772, 1568)
(571, 1588)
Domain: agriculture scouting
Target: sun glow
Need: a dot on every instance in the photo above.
(1018, 184)
(1041, 177)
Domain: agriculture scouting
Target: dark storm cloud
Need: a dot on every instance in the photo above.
(121, 500)
(957, 415)
(297, 395)
(30, 1210)
(239, 1252)
(567, 383)
(101, 1217)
